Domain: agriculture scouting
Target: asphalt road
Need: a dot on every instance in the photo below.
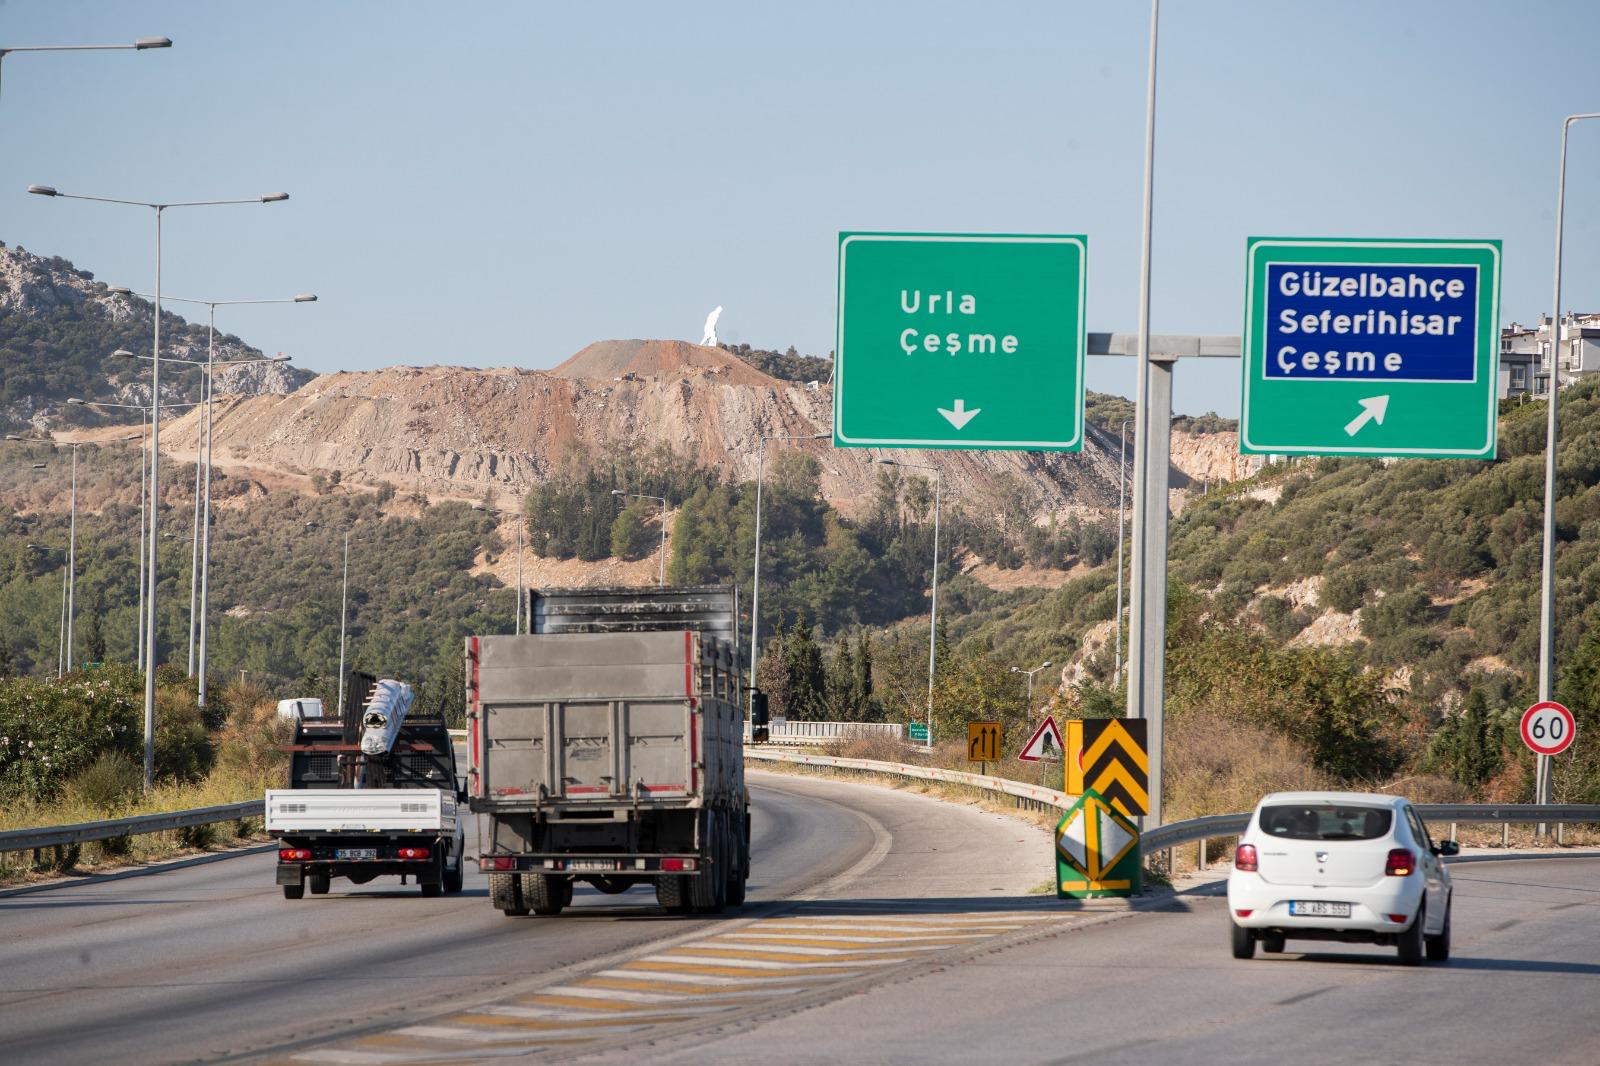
(1161, 987)
(208, 961)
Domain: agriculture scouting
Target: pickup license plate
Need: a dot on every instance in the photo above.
(591, 864)
(1316, 908)
(356, 853)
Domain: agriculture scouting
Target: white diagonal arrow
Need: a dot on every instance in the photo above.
(1372, 410)
(960, 416)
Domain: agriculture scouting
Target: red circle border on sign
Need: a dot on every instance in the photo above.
(1545, 705)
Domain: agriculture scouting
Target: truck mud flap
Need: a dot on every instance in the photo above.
(289, 873)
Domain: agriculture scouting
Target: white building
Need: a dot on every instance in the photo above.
(1525, 354)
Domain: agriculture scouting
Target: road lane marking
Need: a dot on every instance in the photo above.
(817, 946)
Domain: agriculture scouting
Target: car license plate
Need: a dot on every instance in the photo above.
(356, 853)
(1316, 908)
(592, 864)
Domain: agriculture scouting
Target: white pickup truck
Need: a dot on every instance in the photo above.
(364, 833)
(361, 808)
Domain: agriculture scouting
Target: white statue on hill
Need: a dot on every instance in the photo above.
(710, 338)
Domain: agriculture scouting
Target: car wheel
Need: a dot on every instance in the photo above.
(1272, 943)
(1410, 943)
(670, 893)
(1244, 942)
(294, 891)
(1439, 946)
(454, 879)
(319, 883)
(547, 895)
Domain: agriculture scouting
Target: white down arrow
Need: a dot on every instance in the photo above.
(960, 416)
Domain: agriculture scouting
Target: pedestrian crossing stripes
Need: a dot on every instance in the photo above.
(765, 961)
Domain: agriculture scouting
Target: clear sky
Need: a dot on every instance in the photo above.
(502, 183)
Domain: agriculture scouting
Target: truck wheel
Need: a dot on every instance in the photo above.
(505, 892)
(670, 894)
(708, 889)
(319, 883)
(453, 879)
(294, 891)
(547, 895)
(737, 861)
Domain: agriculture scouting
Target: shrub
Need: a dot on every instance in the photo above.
(108, 783)
(51, 731)
(1343, 590)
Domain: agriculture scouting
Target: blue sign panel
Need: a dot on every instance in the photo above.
(1371, 322)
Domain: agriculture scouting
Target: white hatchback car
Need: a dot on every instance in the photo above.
(1345, 866)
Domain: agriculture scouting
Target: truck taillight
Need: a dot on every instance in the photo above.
(294, 854)
(414, 853)
(1244, 858)
(673, 866)
(1401, 863)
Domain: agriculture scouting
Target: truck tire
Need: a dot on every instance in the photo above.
(294, 891)
(547, 895)
(708, 889)
(738, 869)
(454, 879)
(319, 883)
(670, 893)
(505, 892)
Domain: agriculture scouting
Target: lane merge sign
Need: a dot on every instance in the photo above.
(960, 340)
(1045, 744)
(983, 741)
(1548, 728)
(1371, 347)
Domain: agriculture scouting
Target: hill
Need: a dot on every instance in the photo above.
(59, 326)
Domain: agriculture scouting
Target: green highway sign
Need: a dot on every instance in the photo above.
(950, 340)
(919, 731)
(1371, 347)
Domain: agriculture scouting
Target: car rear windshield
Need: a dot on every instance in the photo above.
(1325, 821)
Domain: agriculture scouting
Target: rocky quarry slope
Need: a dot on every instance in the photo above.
(455, 431)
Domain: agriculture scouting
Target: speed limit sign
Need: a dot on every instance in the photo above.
(1548, 728)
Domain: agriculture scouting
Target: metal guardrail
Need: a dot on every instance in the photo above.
(59, 835)
(1193, 830)
(786, 732)
(1048, 797)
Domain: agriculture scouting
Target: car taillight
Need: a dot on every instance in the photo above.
(1244, 858)
(1245, 912)
(294, 854)
(1397, 919)
(414, 853)
(677, 865)
(1401, 863)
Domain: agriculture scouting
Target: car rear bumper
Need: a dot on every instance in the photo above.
(1255, 904)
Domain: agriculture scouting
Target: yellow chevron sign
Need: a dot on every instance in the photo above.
(1109, 756)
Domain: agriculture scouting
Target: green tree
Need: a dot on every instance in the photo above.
(629, 536)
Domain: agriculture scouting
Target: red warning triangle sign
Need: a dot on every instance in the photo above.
(1045, 744)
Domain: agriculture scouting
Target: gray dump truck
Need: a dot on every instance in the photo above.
(606, 747)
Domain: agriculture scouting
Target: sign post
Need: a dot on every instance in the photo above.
(1371, 347)
(970, 341)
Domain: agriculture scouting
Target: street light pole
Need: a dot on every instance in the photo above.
(344, 600)
(142, 44)
(1019, 670)
(200, 570)
(1122, 522)
(1547, 599)
(755, 599)
(933, 615)
(155, 448)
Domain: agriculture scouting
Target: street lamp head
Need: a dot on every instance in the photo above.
(43, 190)
(1046, 663)
(274, 197)
(306, 298)
(123, 353)
(887, 462)
(617, 492)
(74, 401)
(38, 466)
(152, 42)
(119, 290)
(1017, 670)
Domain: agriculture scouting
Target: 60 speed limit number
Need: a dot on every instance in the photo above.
(1548, 728)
